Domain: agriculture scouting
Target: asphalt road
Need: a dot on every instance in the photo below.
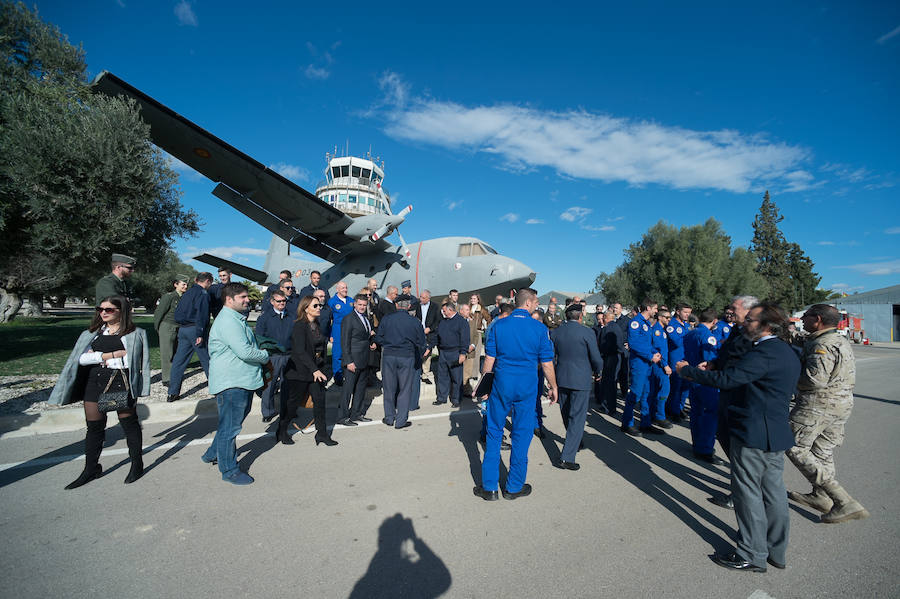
(391, 514)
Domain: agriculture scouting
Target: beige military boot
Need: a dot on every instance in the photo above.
(817, 500)
(845, 507)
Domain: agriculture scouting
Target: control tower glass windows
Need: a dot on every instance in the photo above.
(345, 170)
(371, 201)
(335, 172)
(352, 199)
(342, 197)
(366, 173)
(356, 171)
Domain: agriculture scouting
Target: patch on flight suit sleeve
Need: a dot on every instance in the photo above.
(711, 340)
(656, 333)
(669, 329)
(678, 330)
(634, 324)
(646, 328)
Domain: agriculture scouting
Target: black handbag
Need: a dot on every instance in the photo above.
(117, 394)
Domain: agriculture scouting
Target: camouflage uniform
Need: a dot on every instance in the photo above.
(553, 320)
(823, 404)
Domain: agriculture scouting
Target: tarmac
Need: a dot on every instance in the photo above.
(390, 513)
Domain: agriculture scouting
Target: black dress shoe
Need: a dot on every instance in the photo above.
(539, 432)
(724, 501)
(455, 405)
(486, 495)
(387, 422)
(327, 441)
(778, 565)
(630, 430)
(568, 465)
(347, 422)
(650, 430)
(662, 423)
(268, 418)
(438, 403)
(710, 458)
(733, 561)
(362, 419)
(504, 445)
(581, 446)
(171, 398)
(406, 424)
(524, 492)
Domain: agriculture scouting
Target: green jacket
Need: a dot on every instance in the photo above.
(138, 351)
(165, 311)
(235, 360)
(111, 285)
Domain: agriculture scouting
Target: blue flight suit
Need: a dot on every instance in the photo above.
(278, 327)
(640, 356)
(518, 343)
(659, 380)
(678, 387)
(339, 308)
(721, 332)
(701, 345)
(192, 316)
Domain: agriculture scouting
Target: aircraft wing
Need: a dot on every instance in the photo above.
(273, 201)
(251, 274)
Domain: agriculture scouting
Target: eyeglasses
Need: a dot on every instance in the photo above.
(107, 310)
(281, 301)
(288, 287)
(746, 320)
(316, 306)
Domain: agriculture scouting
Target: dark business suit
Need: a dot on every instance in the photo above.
(733, 349)
(611, 339)
(623, 322)
(760, 433)
(453, 339)
(355, 341)
(307, 356)
(577, 358)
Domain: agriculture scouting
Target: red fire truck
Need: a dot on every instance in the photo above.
(851, 325)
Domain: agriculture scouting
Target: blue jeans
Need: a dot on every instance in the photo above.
(233, 406)
(187, 335)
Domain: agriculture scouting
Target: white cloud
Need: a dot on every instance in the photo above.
(893, 231)
(291, 171)
(892, 33)
(453, 205)
(887, 267)
(616, 219)
(230, 251)
(600, 228)
(185, 13)
(575, 213)
(314, 72)
(534, 221)
(824, 243)
(581, 144)
(510, 217)
(844, 287)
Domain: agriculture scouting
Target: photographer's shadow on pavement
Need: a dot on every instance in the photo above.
(403, 566)
(196, 426)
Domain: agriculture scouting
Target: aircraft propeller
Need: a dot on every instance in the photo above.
(388, 228)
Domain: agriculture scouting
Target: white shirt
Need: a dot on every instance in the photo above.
(424, 308)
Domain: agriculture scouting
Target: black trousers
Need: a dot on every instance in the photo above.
(353, 393)
(296, 393)
(607, 395)
(623, 373)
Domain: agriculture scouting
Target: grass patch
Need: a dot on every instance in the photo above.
(42, 345)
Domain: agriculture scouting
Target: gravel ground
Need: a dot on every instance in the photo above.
(28, 394)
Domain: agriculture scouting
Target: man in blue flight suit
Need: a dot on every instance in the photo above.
(700, 345)
(277, 325)
(401, 337)
(340, 306)
(640, 357)
(577, 360)
(453, 340)
(192, 316)
(515, 346)
(676, 330)
(659, 372)
(723, 328)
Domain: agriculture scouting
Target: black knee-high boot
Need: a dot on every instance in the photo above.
(131, 426)
(93, 445)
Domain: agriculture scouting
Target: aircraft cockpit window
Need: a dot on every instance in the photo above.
(477, 250)
(345, 170)
(465, 249)
(335, 171)
(489, 249)
(356, 171)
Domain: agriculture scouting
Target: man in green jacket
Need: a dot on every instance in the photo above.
(165, 325)
(116, 282)
(235, 371)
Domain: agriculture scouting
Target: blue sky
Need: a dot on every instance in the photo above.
(558, 135)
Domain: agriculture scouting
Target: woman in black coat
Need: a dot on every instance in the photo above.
(306, 372)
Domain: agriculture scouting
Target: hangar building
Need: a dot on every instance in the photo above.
(880, 310)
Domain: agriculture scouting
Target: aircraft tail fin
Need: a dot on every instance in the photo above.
(251, 274)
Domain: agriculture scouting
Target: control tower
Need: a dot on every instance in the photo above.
(353, 186)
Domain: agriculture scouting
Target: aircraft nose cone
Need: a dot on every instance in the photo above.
(520, 274)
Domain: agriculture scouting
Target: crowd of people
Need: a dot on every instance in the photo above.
(734, 374)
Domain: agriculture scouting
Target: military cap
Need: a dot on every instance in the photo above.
(406, 283)
(124, 259)
(184, 278)
(403, 304)
(576, 307)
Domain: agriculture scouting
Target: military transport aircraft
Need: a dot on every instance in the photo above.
(354, 248)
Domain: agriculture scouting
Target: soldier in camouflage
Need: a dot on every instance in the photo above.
(116, 282)
(824, 402)
(553, 317)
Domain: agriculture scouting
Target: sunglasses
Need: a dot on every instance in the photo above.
(107, 310)
(316, 306)
(281, 301)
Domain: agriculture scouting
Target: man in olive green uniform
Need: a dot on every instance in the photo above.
(116, 282)
(552, 318)
(165, 325)
(824, 402)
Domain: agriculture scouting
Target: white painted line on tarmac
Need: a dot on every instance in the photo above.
(760, 594)
(202, 442)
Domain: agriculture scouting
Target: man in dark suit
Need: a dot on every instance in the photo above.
(386, 305)
(356, 341)
(576, 359)
(215, 292)
(611, 339)
(429, 314)
(402, 341)
(760, 433)
(622, 320)
(314, 278)
(267, 296)
(453, 346)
